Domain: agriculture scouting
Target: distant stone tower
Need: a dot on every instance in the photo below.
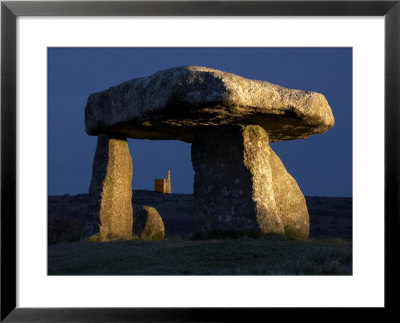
(163, 185)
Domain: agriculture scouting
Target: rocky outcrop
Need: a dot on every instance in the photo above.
(177, 103)
(148, 224)
(110, 213)
(241, 185)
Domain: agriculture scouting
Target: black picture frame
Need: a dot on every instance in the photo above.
(10, 10)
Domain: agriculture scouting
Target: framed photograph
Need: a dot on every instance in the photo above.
(57, 57)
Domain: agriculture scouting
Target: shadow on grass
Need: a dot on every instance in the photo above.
(214, 253)
(243, 235)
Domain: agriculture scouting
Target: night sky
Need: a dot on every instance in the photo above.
(321, 164)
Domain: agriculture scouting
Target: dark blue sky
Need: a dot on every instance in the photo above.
(321, 164)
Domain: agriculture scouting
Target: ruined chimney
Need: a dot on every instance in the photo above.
(163, 185)
(169, 182)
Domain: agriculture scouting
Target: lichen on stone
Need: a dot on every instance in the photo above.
(178, 102)
(244, 187)
(148, 224)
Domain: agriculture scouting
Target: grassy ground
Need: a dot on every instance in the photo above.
(272, 255)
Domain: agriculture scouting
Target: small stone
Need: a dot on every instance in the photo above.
(148, 224)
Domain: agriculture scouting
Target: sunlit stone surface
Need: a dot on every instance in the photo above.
(241, 184)
(110, 193)
(178, 102)
(148, 224)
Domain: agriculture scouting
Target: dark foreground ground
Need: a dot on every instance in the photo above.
(264, 256)
(328, 252)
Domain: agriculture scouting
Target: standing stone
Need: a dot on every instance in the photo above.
(241, 185)
(290, 202)
(110, 213)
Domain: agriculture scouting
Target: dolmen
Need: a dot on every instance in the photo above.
(240, 183)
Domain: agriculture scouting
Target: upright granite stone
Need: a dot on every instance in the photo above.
(289, 200)
(241, 185)
(110, 212)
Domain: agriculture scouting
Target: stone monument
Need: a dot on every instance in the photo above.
(240, 183)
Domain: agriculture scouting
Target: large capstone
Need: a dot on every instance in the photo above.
(178, 102)
(241, 184)
(110, 214)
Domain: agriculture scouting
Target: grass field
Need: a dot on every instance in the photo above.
(271, 255)
(185, 252)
